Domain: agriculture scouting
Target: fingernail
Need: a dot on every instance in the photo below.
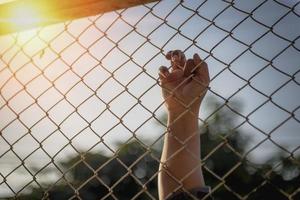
(165, 73)
(169, 55)
(196, 56)
(175, 58)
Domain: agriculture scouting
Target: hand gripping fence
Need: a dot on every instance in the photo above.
(82, 117)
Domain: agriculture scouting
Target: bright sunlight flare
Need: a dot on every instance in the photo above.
(21, 15)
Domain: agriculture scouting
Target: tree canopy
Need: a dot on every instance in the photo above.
(132, 172)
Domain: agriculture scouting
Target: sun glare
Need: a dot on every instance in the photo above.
(25, 21)
(23, 16)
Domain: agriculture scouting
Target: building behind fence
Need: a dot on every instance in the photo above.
(81, 115)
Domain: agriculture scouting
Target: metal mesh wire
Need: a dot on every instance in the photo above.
(79, 86)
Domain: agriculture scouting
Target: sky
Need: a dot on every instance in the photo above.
(65, 74)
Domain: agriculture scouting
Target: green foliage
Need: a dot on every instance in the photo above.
(92, 174)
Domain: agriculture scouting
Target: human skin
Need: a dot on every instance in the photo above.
(183, 88)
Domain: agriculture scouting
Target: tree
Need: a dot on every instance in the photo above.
(134, 166)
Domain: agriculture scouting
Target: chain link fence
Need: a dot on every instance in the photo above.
(87, 89)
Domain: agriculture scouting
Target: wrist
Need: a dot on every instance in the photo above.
(186, 111)
(183, 113)
(185, 118)
(182, 126)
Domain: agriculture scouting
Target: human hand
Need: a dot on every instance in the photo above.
(185, 86)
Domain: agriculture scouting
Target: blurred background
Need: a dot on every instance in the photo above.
(81, 112)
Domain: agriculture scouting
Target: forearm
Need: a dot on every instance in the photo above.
(181, 155)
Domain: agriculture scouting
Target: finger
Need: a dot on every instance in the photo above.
(169, 55)
(180, 55)
(197, 59)
(163, 73)
(175, 75)
(201, 69)
(177, 59)
(182, 59)
(188, 67)
(175, 52)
